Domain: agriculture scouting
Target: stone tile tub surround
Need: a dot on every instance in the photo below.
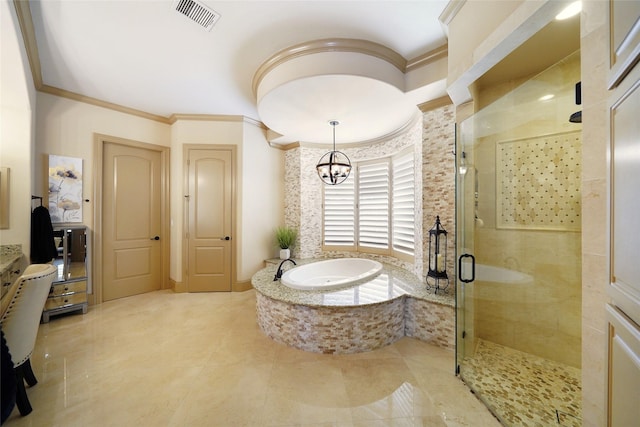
(354, 319)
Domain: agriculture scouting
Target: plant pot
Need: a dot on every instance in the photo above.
(285, 253)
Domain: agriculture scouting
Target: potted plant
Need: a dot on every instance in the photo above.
(286, 238)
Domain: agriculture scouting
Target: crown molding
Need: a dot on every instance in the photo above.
(100, 103)
(216, 118)
(285, 147)
(427, 58)
(25, 20)
(435, 103)
(450, 11)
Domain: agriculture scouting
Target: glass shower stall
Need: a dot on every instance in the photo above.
(518, 214)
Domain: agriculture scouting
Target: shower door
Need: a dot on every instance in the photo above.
(518, 243)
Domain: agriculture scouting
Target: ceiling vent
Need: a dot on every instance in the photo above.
(197, 12)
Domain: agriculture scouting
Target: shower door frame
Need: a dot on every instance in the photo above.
(463, 244)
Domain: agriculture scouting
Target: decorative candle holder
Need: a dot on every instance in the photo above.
(437, 273)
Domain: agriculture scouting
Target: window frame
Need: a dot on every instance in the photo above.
(355, 245)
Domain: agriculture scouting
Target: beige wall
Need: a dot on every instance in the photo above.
(262, 201)
(484, 32)
(37, 124)
(67, 128)
(17, 100)
(595, 245)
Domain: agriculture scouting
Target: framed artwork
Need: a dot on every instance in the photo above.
(4, 198)
(65, 189)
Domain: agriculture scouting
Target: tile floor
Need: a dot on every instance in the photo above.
(165, 359)
(524, 390)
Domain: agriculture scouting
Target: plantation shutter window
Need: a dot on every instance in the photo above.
(403, 206)
(373, 210)
(373, 204)
(340, 213)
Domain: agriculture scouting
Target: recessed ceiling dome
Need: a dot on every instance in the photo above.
(359, 83)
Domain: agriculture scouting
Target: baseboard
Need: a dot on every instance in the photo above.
(242, 286)
(178, 287)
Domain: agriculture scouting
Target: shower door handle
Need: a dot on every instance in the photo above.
(473, 268)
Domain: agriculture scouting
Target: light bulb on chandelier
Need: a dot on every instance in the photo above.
(334, 167)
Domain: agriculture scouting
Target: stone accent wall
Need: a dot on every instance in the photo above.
(329, 330)
(292, 194)
(439, 177)
(429, 322)
(344, 330)
(303, 200)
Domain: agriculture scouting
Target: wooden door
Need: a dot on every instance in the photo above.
(131, 206)
(209, 205)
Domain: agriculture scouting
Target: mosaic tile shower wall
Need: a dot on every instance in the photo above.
(538, 182)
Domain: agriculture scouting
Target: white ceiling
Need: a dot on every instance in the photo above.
(146, 56)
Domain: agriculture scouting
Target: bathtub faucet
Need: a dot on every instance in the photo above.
(279, 272)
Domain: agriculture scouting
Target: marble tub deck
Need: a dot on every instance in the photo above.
(367, 315)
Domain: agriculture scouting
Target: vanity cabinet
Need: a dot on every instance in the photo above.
(10, 272)
(11, 266)
(69, 289)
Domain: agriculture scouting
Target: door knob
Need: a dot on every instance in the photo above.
(225, 238)
(155, 238)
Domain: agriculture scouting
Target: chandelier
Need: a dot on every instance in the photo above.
(334, 167)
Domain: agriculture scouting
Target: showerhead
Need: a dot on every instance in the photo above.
(577, 116)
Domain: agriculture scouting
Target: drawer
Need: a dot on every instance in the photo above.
(65, 301)
(66, 288)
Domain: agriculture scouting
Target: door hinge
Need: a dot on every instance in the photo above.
(464, 334)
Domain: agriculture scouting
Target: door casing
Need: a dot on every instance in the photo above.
(165, 243)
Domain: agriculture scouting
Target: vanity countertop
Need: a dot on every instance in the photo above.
(393, 282)
(7, 260)
(9, 256)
